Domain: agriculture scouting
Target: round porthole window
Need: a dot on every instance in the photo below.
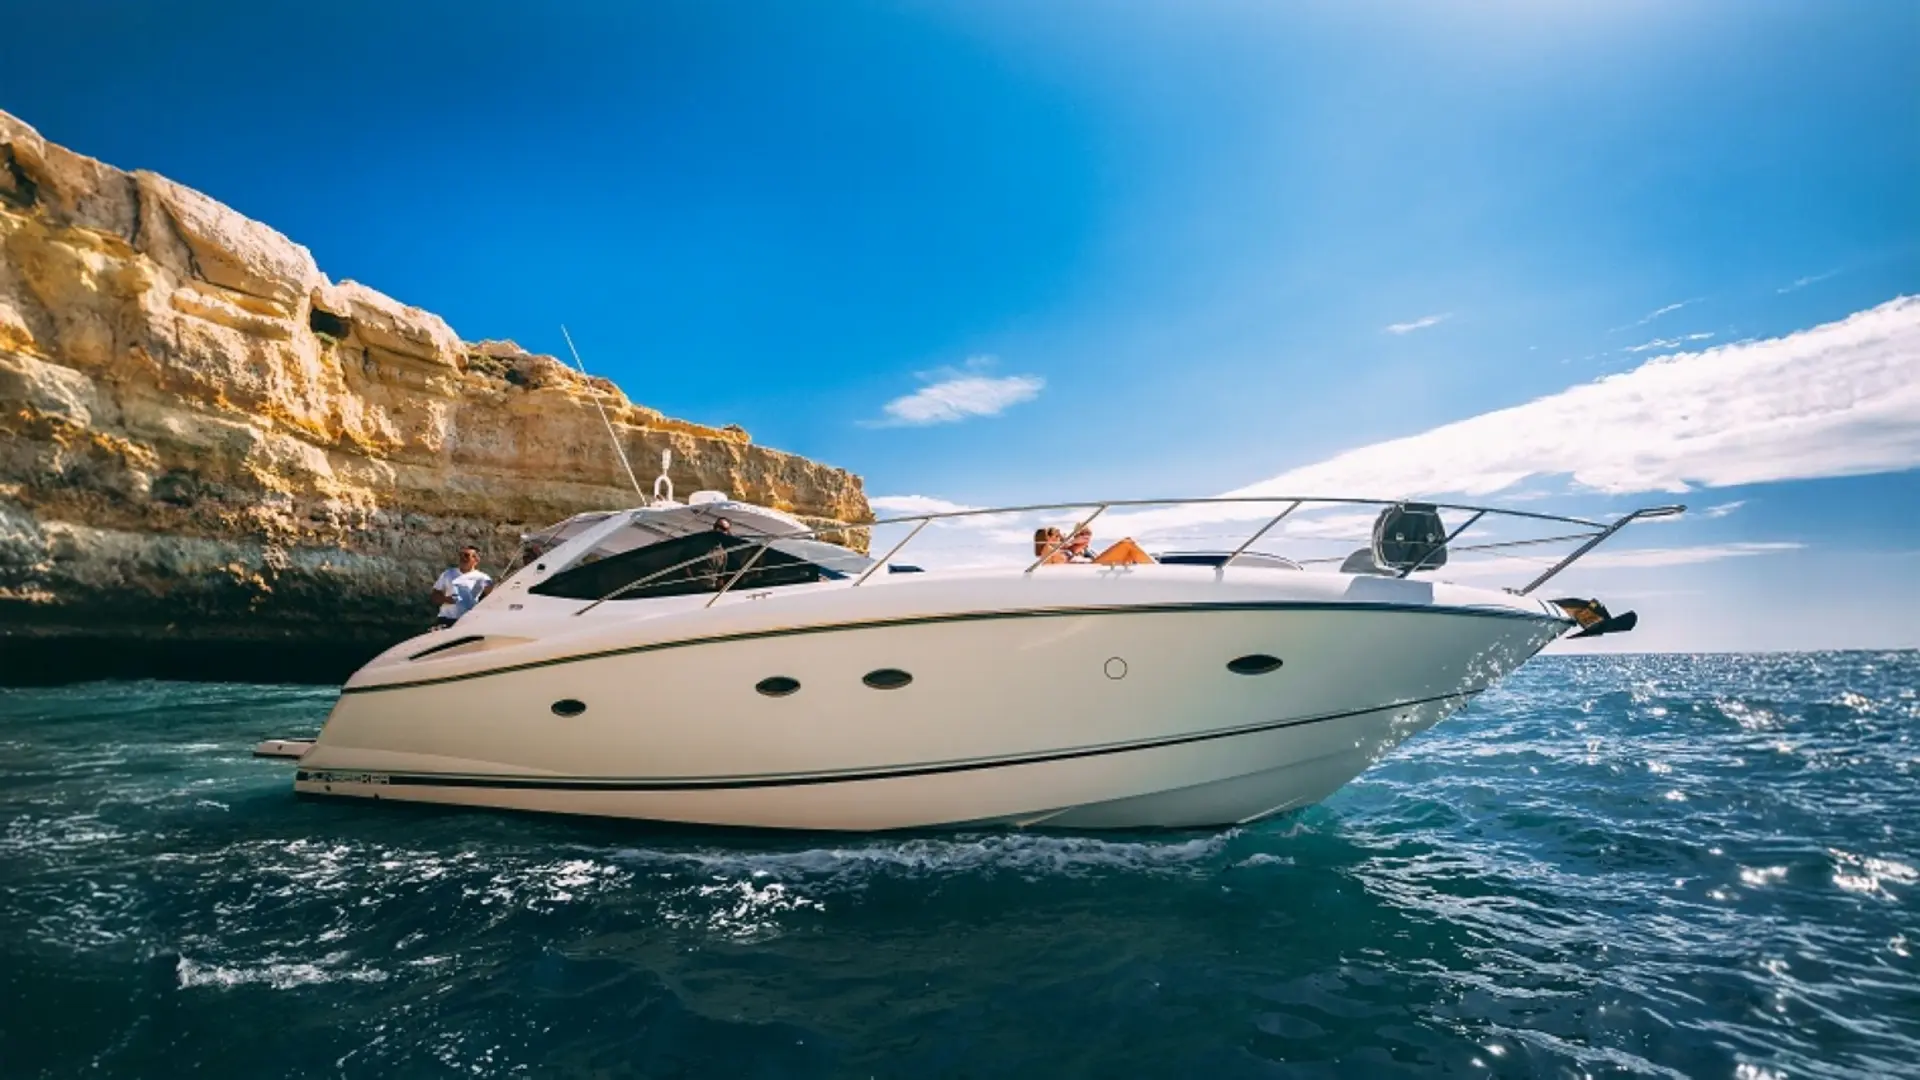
(887, 679)
(569, 707)
(777, 686)
(1254, 664)
(1116, 668)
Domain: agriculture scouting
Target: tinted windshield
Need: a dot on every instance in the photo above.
(701, 562)
(833, 560)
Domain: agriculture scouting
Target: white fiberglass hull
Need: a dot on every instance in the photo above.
(1086, 698)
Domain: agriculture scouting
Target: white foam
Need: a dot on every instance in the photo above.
(276, 974)
(1870, 876)
(1023, 854)
(743, 910)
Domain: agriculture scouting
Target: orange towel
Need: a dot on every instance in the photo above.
(1122, 552)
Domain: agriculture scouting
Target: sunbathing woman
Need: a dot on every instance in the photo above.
(1049, 546)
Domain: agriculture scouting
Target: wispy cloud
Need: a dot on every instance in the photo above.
(1656, 313)
(1668, 343)
(1842, 399)
(960, 394)
(1636, 558)
(1649, 558)
(1801, 283)
(1420, 323)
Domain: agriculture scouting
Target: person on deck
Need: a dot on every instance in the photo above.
(460, 588)
(1077, 547)
(1049, 546)
(716, 568)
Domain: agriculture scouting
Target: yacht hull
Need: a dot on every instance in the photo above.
(1069, 716)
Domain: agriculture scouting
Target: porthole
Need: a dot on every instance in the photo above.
(887, 679)
(1116, 668)
(569, 707)
(1254, 664)
(777, 686)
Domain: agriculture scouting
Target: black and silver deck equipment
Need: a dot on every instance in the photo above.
(1410, 536)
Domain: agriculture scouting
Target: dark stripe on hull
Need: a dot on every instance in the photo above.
(970, 616)
(538, 783)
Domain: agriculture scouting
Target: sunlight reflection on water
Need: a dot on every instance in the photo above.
(1607, 865)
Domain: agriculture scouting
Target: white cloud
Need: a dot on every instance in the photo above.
(903, 505)
(1646, 558)
(1801, 283)
(1629, 559)
(960, 395)
(1652, 315)
(1842, 399)
(1418, 324)
(1668, 343)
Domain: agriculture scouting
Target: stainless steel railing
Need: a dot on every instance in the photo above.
(1593, 533)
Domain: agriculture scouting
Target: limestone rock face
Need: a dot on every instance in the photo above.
(202, 437)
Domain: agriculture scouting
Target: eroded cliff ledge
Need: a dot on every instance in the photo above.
(213, 456)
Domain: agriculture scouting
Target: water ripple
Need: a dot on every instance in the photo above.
(1627, 866)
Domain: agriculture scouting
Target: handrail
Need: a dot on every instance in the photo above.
(1442, 545)
(1637, 515)
(742, 572)
(1534, 542)
(1318, 500)
(882, 560)
(1249, 541)
(1601, 531)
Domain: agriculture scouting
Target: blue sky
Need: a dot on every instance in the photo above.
(1180, 248)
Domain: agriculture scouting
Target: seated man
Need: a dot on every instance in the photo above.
(1077, 547)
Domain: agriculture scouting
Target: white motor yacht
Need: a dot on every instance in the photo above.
(641, 664)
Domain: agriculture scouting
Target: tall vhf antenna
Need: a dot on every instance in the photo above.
(632, 479)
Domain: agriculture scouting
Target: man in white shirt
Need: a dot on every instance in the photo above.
(460, 587)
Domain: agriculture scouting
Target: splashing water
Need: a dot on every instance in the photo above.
(1670, 866)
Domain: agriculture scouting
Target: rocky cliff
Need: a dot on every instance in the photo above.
(212, 456)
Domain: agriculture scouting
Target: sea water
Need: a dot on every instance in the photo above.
(1649, 866)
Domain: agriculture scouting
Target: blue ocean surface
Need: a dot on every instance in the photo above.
(1633, 866)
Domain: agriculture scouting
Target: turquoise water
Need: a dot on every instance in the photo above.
(1698, 866)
